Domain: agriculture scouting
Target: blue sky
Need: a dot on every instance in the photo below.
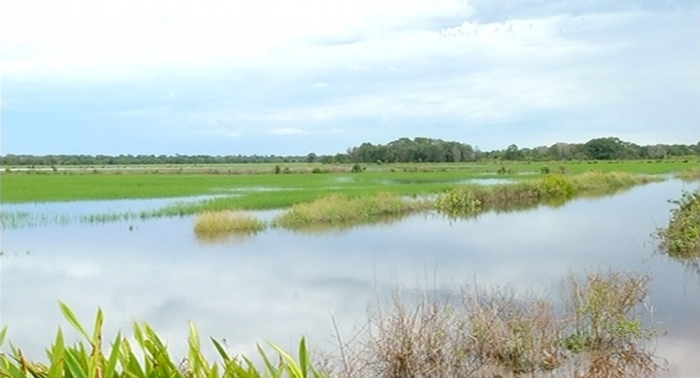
(278, 77)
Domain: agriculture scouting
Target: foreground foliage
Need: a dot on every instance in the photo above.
(88, 359)
(471, 332)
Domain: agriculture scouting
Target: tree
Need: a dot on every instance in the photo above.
(604, 148)
(512, 153)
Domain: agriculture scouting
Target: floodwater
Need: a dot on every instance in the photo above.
(280, 285)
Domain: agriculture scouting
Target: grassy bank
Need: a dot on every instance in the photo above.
(473, 331)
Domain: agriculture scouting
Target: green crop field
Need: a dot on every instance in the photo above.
(269, 190)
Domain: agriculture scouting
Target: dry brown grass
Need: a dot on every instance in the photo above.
(496, 333)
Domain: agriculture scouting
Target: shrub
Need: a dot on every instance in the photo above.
(681, 238)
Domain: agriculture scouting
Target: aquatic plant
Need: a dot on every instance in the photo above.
(212, 224)
(692, 174)
(87, 358)
(465, 201)
(340, 209)
(492, 332)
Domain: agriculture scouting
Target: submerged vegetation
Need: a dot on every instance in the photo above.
(472, 332)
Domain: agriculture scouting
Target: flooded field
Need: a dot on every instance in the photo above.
(278, 285)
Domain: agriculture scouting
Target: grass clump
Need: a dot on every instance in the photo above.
(86, 358)
(495, 333)
(681, 239)
(692, 174)
(469, 200)
(213, 224)
(339, 209)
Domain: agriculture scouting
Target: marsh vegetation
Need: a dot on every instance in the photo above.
(595, 330)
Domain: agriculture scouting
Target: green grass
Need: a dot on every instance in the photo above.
(469, 200)
(406, 179)
(215, 225)
(340, 209)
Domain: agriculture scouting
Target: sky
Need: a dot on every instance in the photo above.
(293, 77)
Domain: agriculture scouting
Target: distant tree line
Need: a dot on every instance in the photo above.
(403, 150)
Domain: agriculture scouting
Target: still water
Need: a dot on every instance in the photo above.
(280, 285)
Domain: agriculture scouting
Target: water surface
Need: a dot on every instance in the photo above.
(279, 285)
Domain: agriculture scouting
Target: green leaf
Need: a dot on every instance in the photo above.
(3, 332)
(72, 319)
(292, 366)
(303, 357)
(57, 356)
(221, 350)
(74, 366)
(110, 369)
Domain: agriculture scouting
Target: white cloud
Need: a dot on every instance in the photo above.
(286, 131)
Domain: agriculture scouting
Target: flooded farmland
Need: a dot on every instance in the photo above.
(279, 285)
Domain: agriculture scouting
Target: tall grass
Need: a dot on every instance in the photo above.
(87, 358)
(492, 332)
(692, 174)
(465, 201)
(218, 224)
(339, 209)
